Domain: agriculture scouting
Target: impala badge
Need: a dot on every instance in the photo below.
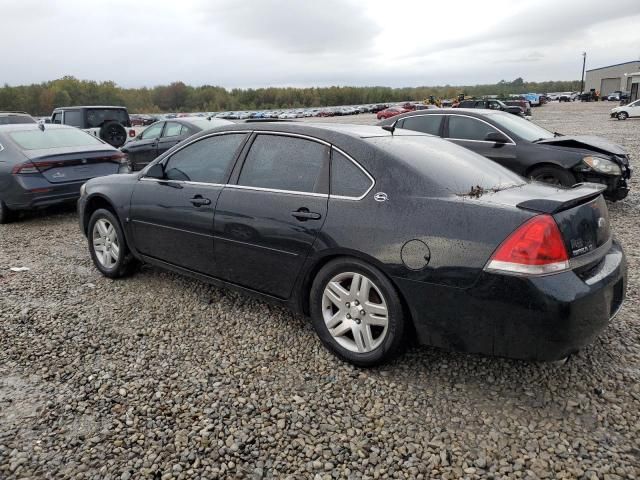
(380, 197)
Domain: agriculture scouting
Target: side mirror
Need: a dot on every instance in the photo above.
(155, 171)
(496, 137)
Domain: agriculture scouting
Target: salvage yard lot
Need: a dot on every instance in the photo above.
(160, 376)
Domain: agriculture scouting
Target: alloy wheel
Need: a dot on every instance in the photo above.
(355, 312)
(105, 243)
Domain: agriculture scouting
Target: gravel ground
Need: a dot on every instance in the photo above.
(159, 376)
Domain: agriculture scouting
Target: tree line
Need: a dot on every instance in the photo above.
(40, 99)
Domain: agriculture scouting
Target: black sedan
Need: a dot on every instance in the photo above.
(159, 137)
(527, 148)
(376, 235)
(41, 166)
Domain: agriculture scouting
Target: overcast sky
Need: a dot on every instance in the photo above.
(258, 43)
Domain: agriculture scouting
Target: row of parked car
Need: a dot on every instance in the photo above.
(424, 226)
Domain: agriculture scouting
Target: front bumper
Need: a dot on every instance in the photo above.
(533, 318)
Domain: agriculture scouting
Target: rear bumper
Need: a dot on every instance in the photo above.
(536, 318)
(37, 192)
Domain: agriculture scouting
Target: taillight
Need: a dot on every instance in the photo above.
(132, 133)
(535, 248)
(29, 168)
(119, 157)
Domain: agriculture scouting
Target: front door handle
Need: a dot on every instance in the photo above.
(303, 214)
(199, 201)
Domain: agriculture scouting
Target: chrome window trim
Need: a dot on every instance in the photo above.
(1, 147)
(369, 176)
(181, 182)
(276, 190)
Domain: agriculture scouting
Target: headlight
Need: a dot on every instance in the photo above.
(602, 165)
(83, 189)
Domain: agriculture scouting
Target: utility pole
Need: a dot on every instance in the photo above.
(584, 63)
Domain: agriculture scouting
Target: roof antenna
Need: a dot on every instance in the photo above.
(41, 126)
(390, 128)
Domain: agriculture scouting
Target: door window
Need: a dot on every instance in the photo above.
(73, 118)
(347, 178)
(285, 163)
(173, 129)
(424, 123)
(153, 131)
(207, 161)
(467, 128)
(57, 118)
(494, 105)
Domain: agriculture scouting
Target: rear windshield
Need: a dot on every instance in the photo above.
(53, 138)
(452, 168)
(96, 117)
(14, 119)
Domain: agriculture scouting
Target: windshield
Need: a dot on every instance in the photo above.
(96, 117)
(525, 129)
(53, 138)
(15, 119)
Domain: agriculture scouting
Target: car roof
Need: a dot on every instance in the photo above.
(319, 129)
(14, 127)
(90, 106)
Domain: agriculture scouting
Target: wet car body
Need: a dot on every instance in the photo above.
(33, 177)
(431, 235)
(524, 155)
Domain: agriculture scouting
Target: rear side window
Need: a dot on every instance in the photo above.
(96, 117)
(467, 128)
(153, 131)
(206, 161)
(347, 178)
(73, 118)
(424, 123)
(284, 163)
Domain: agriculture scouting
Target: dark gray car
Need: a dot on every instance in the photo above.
(44, 165)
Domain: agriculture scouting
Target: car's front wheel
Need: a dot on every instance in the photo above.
(623, 115)
(108, 246)
(357, 312)
(553, 175)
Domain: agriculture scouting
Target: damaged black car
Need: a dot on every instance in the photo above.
(527, 148)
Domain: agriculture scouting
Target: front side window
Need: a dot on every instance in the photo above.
(173, 129)
(424, 123)
(153, 131)
(207, 161)
(347, 178)
(467, 128)
(284, 163)
(73, 118)
(57, 118)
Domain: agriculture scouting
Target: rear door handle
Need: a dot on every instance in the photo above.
(199, 201)
(303, 214)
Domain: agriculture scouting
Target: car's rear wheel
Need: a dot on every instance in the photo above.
(357, 312)
(108, 246)
(553, 175)
(623, 115)
(6, 215)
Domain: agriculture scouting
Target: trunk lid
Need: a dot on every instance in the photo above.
(74, 167)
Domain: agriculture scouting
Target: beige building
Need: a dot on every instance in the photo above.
(611, 78)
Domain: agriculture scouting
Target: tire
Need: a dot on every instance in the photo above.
(622, 115)
(113, 133)
(6, 215)
(553, 175)
(104, 229)
(380, 336)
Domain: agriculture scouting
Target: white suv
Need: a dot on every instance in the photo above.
(625, 111)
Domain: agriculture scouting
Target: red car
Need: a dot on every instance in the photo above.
(391, 112)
